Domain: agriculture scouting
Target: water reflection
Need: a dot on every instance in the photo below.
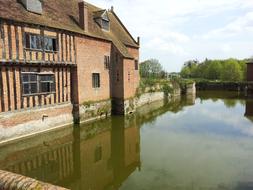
(202, 142)
(97, 156)
(249, 110)
(229, 98)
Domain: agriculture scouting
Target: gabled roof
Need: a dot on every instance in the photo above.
(63, 14)
(101, 14)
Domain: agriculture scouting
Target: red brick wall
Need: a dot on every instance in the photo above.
(131, 76)
(128, 77)
(34, 115)
(90, 59)
(250, 72)
(117, 74)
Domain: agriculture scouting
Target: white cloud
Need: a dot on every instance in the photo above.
(240, 25)
(159, 44)
(187, 29)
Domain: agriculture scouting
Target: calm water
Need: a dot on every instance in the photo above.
(197, 144)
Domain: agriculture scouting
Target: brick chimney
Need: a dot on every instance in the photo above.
(138, 40)
(83, 15)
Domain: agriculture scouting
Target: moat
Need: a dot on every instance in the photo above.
(203, 142)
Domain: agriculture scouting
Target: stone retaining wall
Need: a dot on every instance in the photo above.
(20, 123)
(132, 104)
(94, 110)
(11, 181)
(191, 89)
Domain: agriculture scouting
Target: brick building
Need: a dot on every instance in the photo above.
(250, 71)
(58, 55)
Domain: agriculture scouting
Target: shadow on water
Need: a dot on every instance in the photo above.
(100, 155)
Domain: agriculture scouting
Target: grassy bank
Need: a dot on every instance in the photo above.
(167, 86)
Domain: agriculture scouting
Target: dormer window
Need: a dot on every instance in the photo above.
(105, 24)
(34, 6)
(102, 19)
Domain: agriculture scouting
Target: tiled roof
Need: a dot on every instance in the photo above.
(63, 14)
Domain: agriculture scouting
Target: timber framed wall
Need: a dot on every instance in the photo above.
(16, 58)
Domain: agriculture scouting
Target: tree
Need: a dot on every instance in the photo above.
(231, 71)
(243, 65)
(214, 69)
(185, 72)
(228, 70)
(151, 68)
(189, 69)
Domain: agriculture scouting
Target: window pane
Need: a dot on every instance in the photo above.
(95, 80)
(45, 42)
(48, 78)
(26, 89)
(38, 42)
(25, 77)
(106, 61)
(33, 77)
(33, 42)
(45, 87)
(136, 64)
(105, 24)
(43, 78)
(27, 40)
(48, 43)
(33, 88)
(54, 45)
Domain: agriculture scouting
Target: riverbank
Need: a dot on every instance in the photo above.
(243, 86)
(19, 125)
(61, 147)
(158, 138)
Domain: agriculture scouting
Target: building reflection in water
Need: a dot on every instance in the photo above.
(48, 158)
(249, 110)
(96, 156)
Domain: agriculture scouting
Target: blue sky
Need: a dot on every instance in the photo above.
(174, 31)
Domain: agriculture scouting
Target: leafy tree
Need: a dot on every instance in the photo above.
(214, 70)
(231, 71)
(151, 68)
(189, 69)
(243, 65)
(226, 70)
(185, 72)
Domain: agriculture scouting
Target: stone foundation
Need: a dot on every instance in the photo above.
(94, 110)
(130, 105)
(191, 89)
